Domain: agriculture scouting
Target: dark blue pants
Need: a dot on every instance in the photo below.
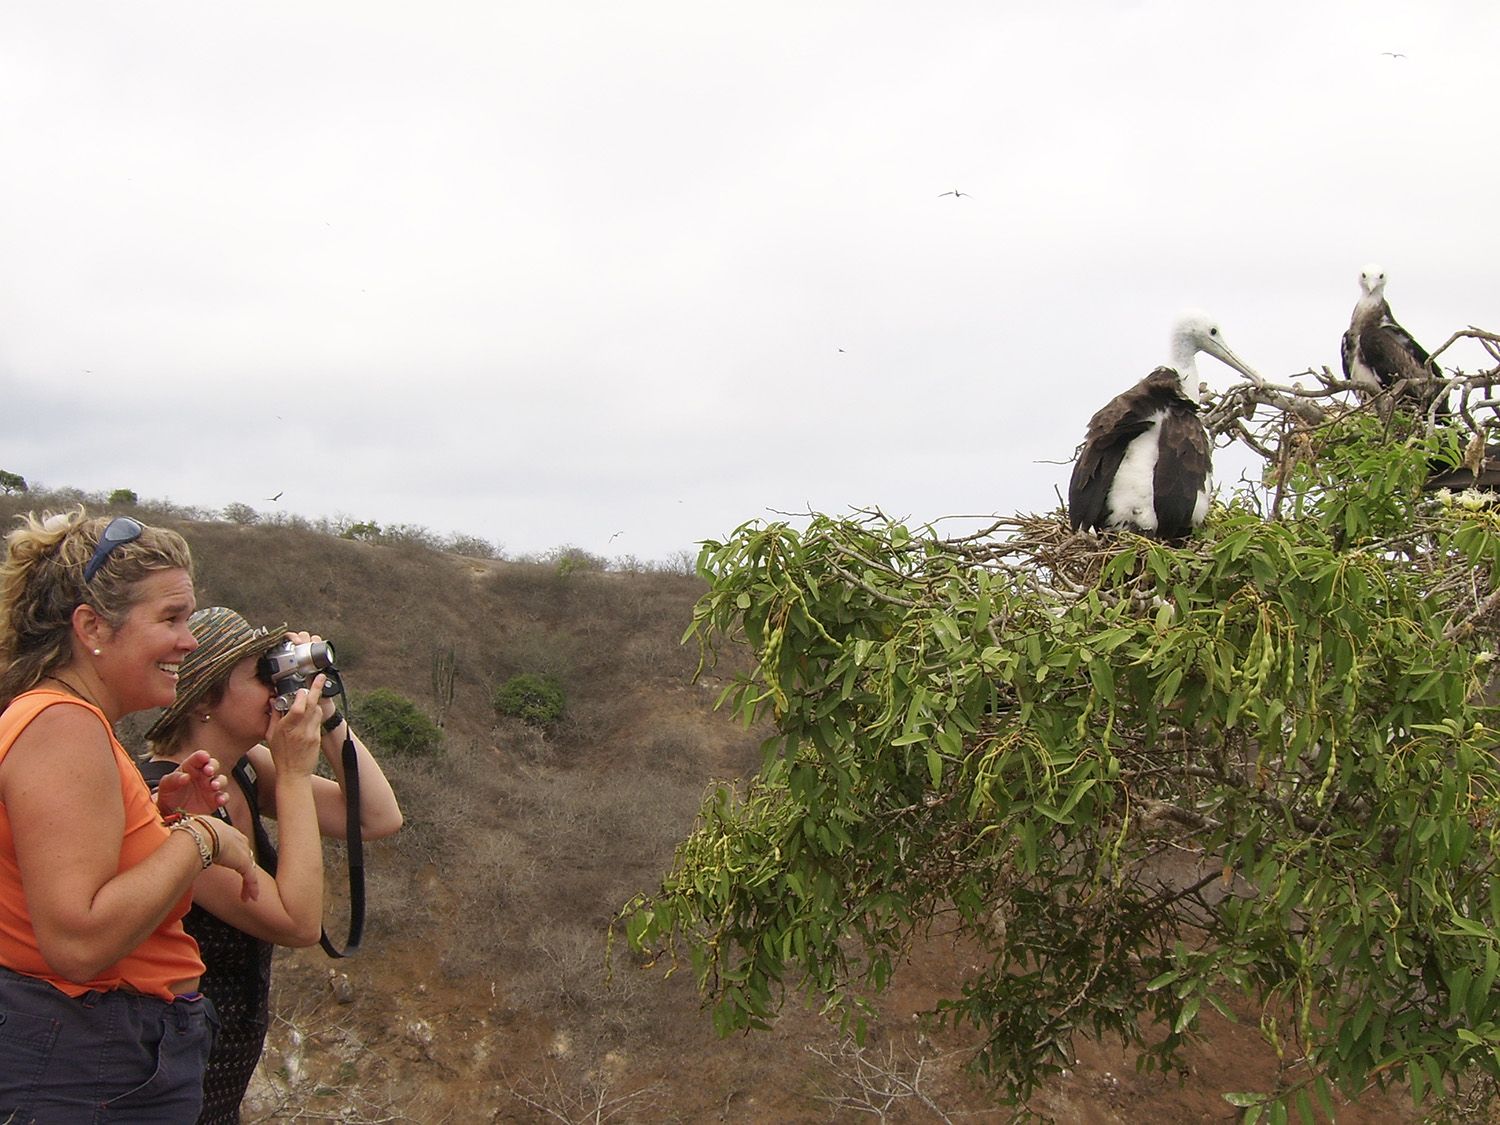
(104, 1057)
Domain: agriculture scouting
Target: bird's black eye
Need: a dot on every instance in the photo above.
(1213, 331)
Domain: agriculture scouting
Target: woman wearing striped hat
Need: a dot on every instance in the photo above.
(224, 707)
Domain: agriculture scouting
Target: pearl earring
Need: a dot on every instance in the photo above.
(203, 717)
(98, 652)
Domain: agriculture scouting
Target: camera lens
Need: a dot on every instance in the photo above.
(319, 655)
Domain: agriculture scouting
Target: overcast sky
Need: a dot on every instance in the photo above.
(624, 276)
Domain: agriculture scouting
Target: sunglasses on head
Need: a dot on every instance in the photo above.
(121, 530)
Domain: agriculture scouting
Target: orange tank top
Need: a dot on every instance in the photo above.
(168, 954)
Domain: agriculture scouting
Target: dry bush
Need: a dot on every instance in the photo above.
(523, 743)
(588, 1094)
(652, 653)
(318, 1063)
(536, 649)
(654, 811)
(390, 889)
(562, 813)
(670, 749)
(590, 720)
(887, 1083)
(472, 546)
(534, 587)
(567, 977)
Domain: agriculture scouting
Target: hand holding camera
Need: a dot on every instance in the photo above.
(290, 666)
(294, 737)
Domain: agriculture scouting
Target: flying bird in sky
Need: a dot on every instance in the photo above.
(1146, 463)
(955, 193)
(273, 499)
(1393, 54)
(1380, 355)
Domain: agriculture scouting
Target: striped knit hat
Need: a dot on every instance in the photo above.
(224, 639)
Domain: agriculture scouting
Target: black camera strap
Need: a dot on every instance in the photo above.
(355, 848)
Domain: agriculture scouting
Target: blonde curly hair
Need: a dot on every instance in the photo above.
(42, 583)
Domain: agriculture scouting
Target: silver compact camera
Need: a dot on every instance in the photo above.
(288, 668)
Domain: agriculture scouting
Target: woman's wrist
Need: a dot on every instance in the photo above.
(206, 823)
(332, 723)
(205, 837)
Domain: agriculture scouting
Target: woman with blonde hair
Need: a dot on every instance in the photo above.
(100, 1014)
(224, 708)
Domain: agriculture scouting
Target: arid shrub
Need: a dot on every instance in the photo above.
(365, 531)
(394, 723)
(407, 535)
(569, 560)
(239, 513)
(471, 546)
(533, 699)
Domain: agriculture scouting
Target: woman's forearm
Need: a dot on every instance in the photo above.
(81, 943)
(379, 811)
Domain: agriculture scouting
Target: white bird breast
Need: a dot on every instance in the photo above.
(1362, 375)
(1132, 495)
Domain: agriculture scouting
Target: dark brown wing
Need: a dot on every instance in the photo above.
(1182, 468)
(1390, 352)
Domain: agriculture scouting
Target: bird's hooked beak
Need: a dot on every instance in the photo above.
(1220, 351)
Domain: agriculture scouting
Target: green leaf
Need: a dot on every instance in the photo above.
(1245, 1100)
(1186, 1017)
(1104, 680)
(1160, 982)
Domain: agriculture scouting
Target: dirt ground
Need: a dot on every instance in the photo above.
(409, 1046)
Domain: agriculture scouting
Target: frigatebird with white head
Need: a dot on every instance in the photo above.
(1146, 463)
(1379, 354)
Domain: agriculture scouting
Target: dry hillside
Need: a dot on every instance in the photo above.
(481, 992)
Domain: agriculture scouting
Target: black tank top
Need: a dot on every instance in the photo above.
(237, 977)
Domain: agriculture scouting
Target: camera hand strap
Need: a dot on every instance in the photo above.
(355, 846)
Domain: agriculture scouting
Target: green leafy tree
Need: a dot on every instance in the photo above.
(12, 482)
(1141, 779)
(124, 496)
(537, 700)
